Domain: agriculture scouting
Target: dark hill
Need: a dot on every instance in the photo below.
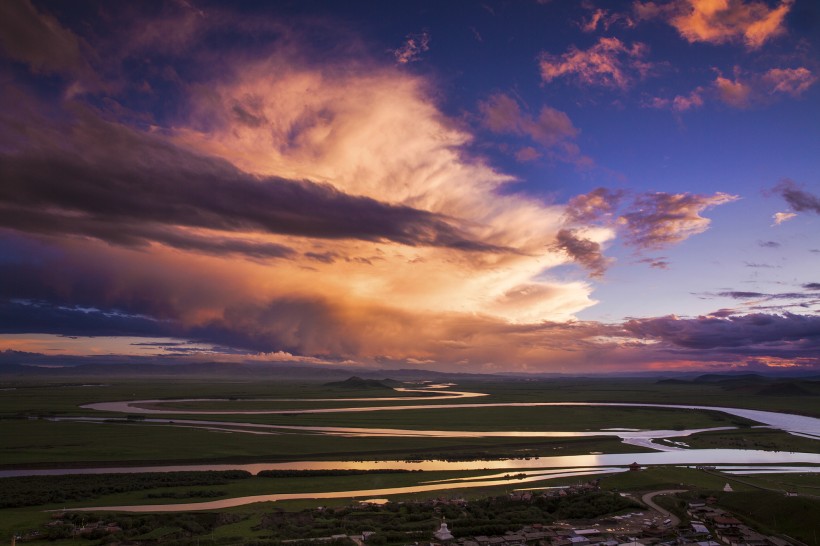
(730, 378)
(673, 382)
(356, 382)
(784, 389)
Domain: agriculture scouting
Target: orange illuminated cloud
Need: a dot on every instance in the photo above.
(608, 63)
(720, 21)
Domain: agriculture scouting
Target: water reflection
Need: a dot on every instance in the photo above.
(573, 462)
(240, 501)
(800, 424)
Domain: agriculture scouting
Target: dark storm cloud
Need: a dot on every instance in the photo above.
(798, 199)
(760, 333)
(812, 286)
(24, 317)
(135, 234)
(584, 251)
(113, 183)
(40, 41)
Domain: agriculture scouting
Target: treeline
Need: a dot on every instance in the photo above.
(37, 490)
(312, 473)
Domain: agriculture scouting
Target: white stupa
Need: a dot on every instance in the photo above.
(443, 533)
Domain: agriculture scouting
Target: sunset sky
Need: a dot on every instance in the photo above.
(529, 186)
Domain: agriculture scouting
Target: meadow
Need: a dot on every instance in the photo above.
(31, 441)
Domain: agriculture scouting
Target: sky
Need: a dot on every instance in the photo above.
(500, 186)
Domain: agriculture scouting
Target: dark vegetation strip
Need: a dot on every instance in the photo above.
(452, 453)
(38, 490)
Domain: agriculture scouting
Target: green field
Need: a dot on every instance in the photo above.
(42, 443)
(49, 444)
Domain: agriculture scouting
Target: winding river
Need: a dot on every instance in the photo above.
(528, 470)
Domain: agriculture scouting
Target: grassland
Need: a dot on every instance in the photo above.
(42, 443)
(45, 444)
(562, 418)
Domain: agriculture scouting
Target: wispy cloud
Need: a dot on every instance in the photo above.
(604, 19)
(551, 129)
(413, 47)
(661, 219)
(608, 63)
(680, 103)
(791, 81)
(780, 217)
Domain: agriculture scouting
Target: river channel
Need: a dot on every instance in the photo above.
(535, 469)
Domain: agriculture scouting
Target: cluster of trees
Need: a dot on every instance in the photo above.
(402, 523)
(37, 490)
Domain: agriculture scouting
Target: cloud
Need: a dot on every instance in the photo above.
(751, 22)
(655, 263)
(42, 317)
(608, 63)
(584, 251)
(598, 205)
(812, 286)
(39, 40)
(775, 335)
(769, 244)
(799, 200)
(551, 129)
(648, 221)
(780, 217)
(371, 230)
(661, 219)
(412, 48)
(744, 90)
(791, 81)
(129, 188)
(733, 92)
(681, 103)
(527, 153)
(604, 19)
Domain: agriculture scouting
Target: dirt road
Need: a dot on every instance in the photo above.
(647, 500)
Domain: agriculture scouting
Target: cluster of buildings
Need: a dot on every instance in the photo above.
(710, 521)
(710, 526)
